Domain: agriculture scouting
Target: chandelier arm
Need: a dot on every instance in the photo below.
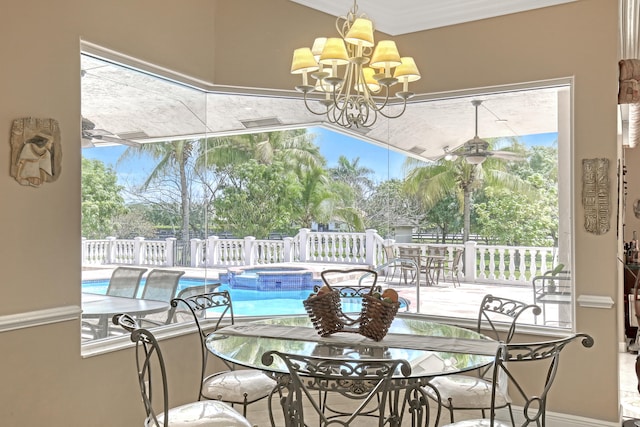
(306, 104)
(395, 116)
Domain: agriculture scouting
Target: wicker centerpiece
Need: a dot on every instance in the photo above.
(378, 310)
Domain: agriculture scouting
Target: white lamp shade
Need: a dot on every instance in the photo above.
(303, 61)
(475, 159)
(318, 45)
(360, 33)
(334, 52)
(385, 55)
(369, 82)
(407, 70)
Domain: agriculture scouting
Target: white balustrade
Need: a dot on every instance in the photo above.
(482, 263)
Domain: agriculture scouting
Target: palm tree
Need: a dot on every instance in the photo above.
(314, 195)
(355, 176)
(291, 147)
(173, 155)
(435, 181)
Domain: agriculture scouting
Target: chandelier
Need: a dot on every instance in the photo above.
(356, 94)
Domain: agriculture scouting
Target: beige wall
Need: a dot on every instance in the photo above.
(43, 376)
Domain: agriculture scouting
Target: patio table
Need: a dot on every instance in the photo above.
(103, 307)
(430, 348)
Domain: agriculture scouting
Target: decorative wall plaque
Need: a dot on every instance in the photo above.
(36, 153)
(595, 195)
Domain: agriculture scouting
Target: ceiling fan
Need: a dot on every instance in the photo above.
(91, 136)
(476, 150)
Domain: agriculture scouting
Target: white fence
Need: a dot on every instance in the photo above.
(481, 263)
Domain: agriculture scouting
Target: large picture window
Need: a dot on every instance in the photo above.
(465, 194)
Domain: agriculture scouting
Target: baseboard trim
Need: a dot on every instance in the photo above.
(556, 419)
(29, 319)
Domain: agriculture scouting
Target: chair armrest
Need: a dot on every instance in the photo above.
(551, 288)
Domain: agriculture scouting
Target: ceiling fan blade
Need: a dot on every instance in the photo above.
(507, 155)
(117, 140)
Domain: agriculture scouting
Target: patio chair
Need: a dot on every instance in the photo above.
(160, 285)
(510, 358)
(125, 281)
(236, 387)
(310, 378)
(435, 263)
(410, 262)
(553, 287)
(452, 267)
(156, 399)
(474, 391)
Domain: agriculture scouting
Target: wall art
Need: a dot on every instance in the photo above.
(595, 195)
(36, 152)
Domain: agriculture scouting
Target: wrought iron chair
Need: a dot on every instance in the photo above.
(237, 387)
(184, 314)
(474, 392)
(310, 378)
(509, 359)
(160, 285)
(149, 359)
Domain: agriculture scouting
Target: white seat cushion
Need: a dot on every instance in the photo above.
(477, 423)
(208, 413)
(231, 386)
(466, 392)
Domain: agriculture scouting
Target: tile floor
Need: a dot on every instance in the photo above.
(629, 395)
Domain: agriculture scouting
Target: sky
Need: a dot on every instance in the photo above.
(386, 164)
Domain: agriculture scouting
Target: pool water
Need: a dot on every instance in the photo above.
(246, 302)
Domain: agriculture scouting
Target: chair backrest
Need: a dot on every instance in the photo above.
(148, 359)
(552, 282)
(389, 253)
(125, 281)
(408, 252)
(180, 314)
(311, 376)
(436, 250)
(496, 310)
(457, 255)
(545, 356)
(161, 285)
(212, 306)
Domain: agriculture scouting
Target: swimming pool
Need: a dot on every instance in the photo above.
(246, 302)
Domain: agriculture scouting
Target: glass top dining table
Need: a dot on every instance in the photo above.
(431, 348)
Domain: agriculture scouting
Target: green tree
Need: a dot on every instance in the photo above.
(356, 177)
(315, 195)
(293, 148)
(445, 217)
(101, 199)
(259, 201)
(516, 219)
(435, 181)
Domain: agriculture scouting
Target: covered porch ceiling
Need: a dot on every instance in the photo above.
(126, 104)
